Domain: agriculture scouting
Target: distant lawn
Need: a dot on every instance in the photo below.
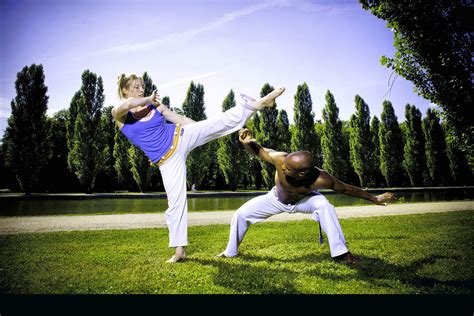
(426, 254)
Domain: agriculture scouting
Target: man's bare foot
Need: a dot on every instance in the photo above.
(268, 100)
(223, 255)
(347, 258)
(179, 255)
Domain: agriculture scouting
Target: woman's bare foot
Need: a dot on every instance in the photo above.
(179, 255)
(267, 101)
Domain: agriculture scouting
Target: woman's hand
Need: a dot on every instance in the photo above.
(155, 98)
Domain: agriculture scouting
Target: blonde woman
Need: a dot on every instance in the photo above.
(143, 120)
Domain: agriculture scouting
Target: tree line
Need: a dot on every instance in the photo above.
(81, 149)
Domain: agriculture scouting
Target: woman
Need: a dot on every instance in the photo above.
(142, 119)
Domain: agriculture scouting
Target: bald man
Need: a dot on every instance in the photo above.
(297, 181)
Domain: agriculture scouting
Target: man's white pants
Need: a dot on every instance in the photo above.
(173, 170)
(260, 208)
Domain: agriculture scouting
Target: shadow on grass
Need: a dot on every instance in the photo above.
(381, 273)
(247, 278)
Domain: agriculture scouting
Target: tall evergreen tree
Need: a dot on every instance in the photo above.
(148, 85)
(230, 153)
(199, 160)
(435, 148)
(105, 177)
(27, 145)
(87, 155)
(375, 152)
(268, 135)
(305, 137)
(283, 132)
(361, 148)
(350, 176)
(331, 140)
(256, 167)
(391, 146)
(121, 164)
(414, 150)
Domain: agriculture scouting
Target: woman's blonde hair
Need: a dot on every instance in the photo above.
(124, 81)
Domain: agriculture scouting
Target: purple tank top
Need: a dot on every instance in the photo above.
(154, 136)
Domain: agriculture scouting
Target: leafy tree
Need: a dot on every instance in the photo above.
(434, 51)
(414, 149)
(391, 146)
(331, 140)
(435, 148)
(55, 176)
(305, 137)
(460, 171)
(199, 160)
(88, 153)
(268, 135)
(361, 147)
(26, 139)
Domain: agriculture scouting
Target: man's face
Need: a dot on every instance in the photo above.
(288, 171)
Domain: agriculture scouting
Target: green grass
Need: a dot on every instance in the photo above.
(427, 254)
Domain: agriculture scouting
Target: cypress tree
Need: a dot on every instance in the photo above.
(361, 147)
(230, 151)
(283, 132)
(304, 136)
(391, 146)
(105, 178)
(375, 152)
(414, 150)
(267, 136)
(435, 148)
(121, 164)
(86, 157)
(27, 136)
(199, 160)
(331, 140)
(257, 177)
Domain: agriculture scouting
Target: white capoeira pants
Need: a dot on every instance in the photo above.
(173, 170)
(262, 207)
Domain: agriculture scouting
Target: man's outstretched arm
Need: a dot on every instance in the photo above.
(351, 190)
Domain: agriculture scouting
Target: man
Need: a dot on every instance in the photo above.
(297, 181)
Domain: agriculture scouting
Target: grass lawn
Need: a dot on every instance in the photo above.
(426, 254)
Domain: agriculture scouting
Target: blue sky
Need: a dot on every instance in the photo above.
(227, 44)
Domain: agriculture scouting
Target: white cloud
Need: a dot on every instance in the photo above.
(190, 33)
(5, 109)
(187, 80)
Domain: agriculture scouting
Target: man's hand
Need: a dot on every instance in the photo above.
(385, 197)
(245, 136)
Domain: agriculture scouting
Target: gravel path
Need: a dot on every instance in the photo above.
(33, 224)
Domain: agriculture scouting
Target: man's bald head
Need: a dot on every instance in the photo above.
(300, 161)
